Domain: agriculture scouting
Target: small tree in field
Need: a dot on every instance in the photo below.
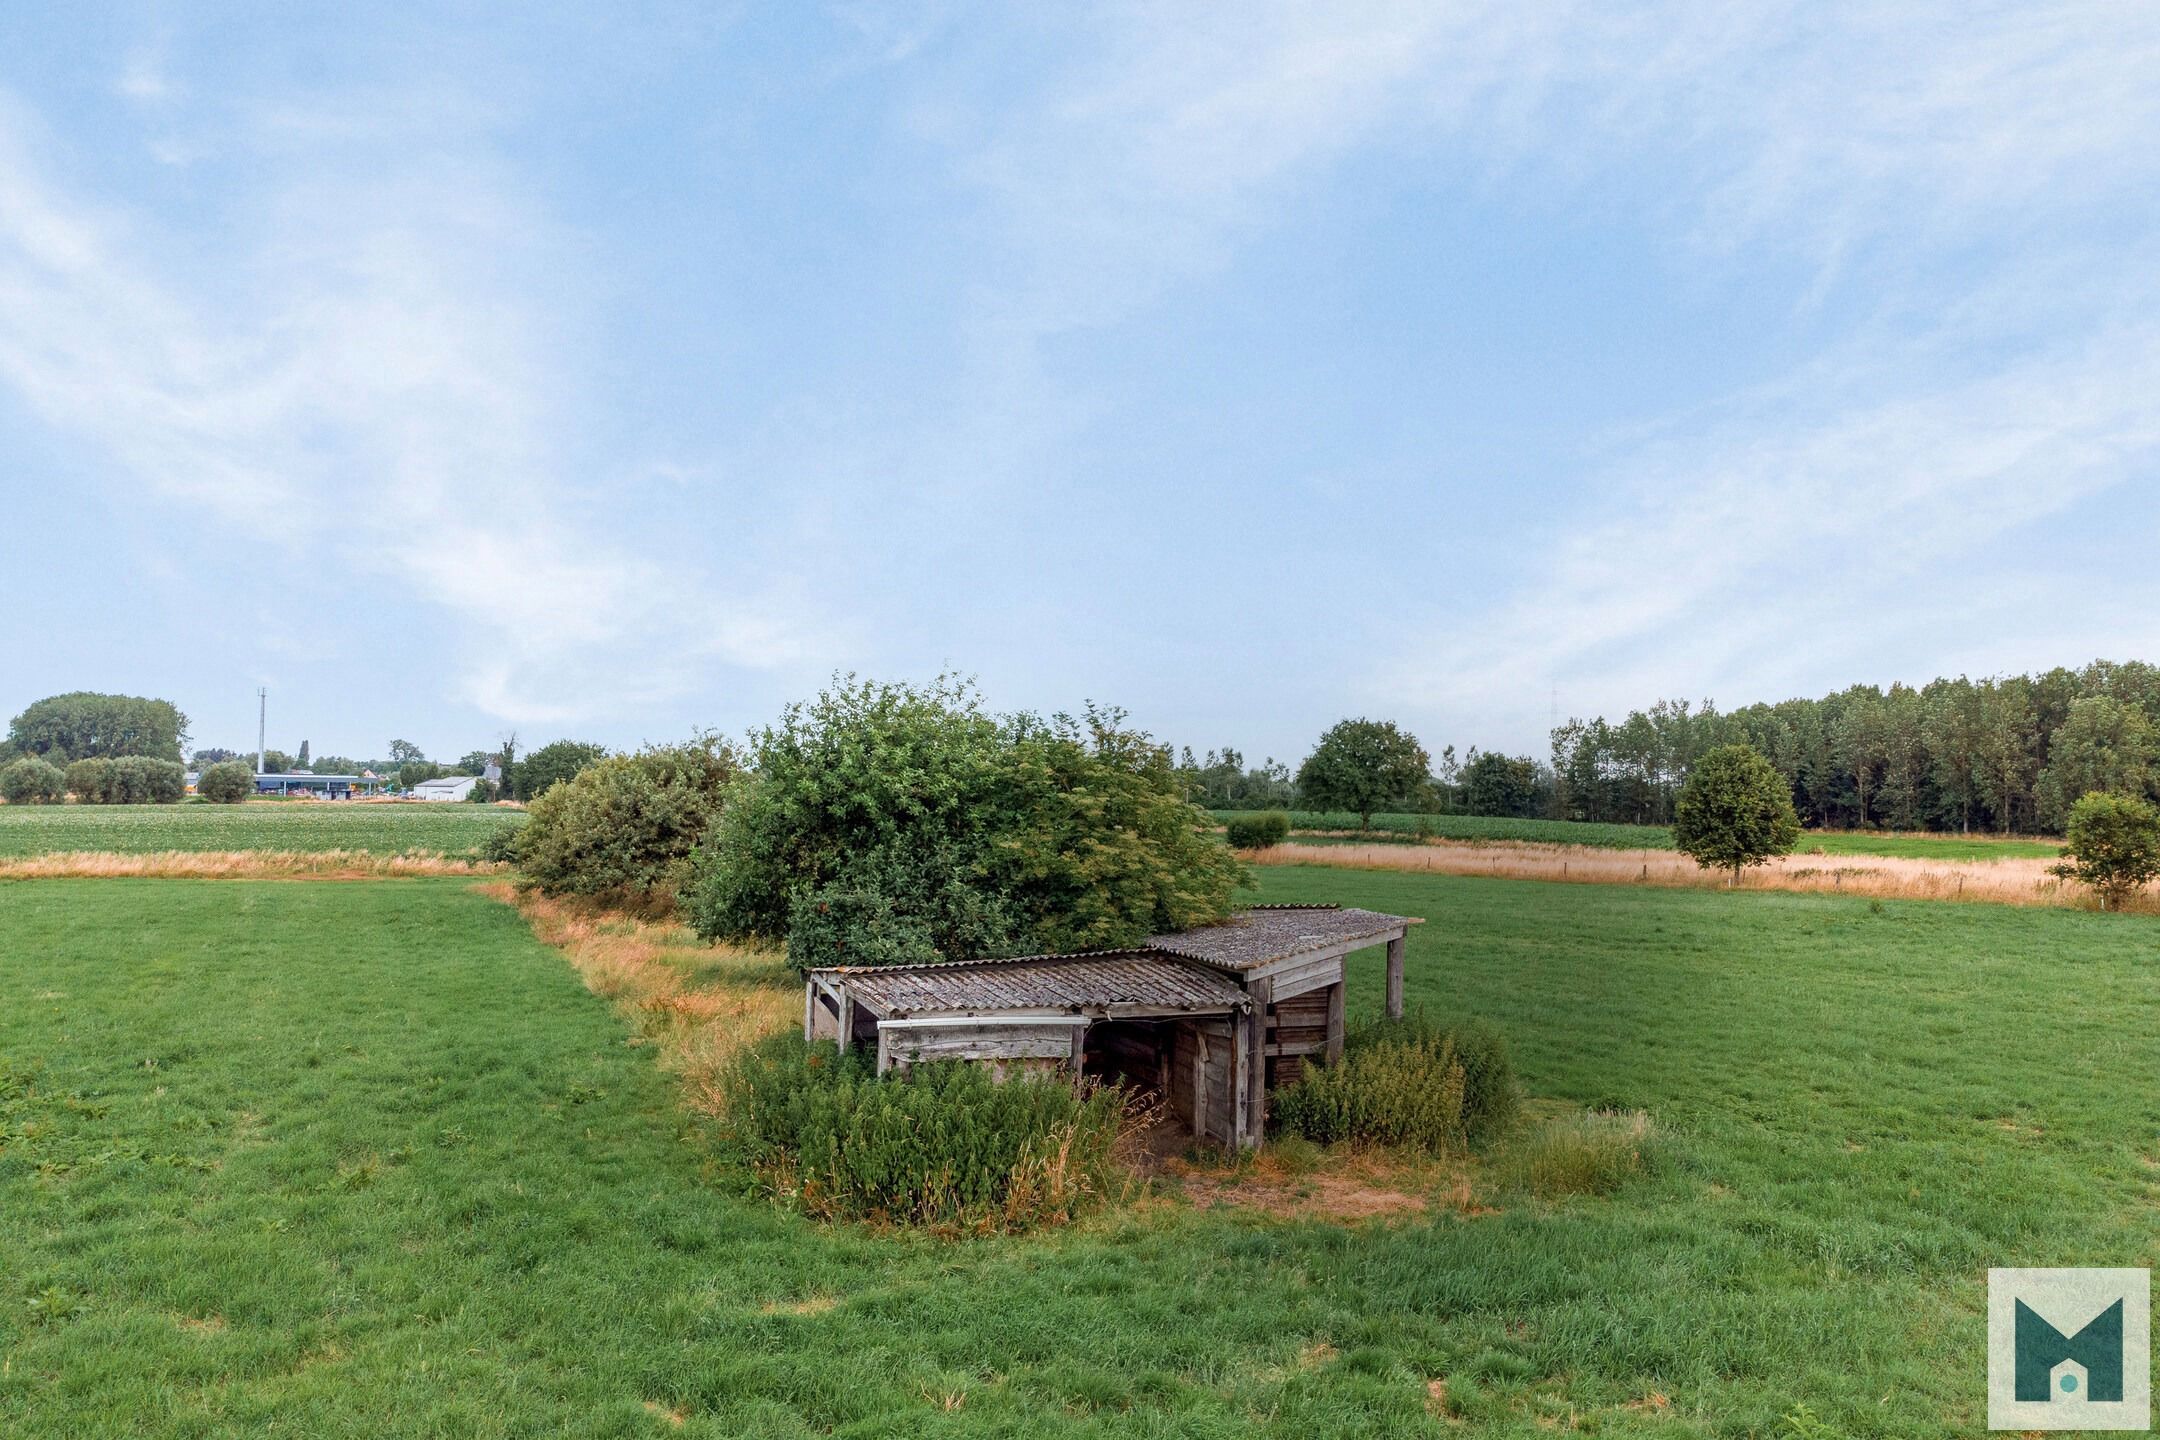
(226, 783)
(1363, 765)
(2114, 845)
(1734, 811)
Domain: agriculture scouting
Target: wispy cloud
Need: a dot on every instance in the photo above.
(383, 374)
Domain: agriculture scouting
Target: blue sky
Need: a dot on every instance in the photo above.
(626, 370)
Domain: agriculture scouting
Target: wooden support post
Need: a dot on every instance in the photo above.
(1254, 1123)
(1079, 1049)
(884, 1051)
(846, 1022)
(809, 1010)
(1335, 1021)
(1199, 1082)
(1394, 978)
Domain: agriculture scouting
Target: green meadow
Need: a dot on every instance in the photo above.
(267, 1170)
(379, 829)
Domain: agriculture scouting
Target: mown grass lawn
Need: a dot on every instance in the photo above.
(365, 1160)
(379, 829)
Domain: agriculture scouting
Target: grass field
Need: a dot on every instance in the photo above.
(267, 825)
(263, 1160)
(1651, 837)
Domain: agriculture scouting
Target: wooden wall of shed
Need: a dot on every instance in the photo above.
(824, 1024)
(1216, 1121)
(978, 1040)
(1299, 1026)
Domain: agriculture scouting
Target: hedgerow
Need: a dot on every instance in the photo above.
(944, 1145)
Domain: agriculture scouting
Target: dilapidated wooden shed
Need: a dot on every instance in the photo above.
(1209, 1019)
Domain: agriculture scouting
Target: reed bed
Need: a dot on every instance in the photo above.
(2017, 881)
(699, 1004)
(238, 865)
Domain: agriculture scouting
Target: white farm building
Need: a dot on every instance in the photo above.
(447, 787)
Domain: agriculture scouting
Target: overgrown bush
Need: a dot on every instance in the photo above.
(226, 783)
(624, 829)
(31, 781)
(501, 845)
(1592, 1154)
(1394, 1093)
(156, 782)
(1258, 830)
(2113, 846)
(90, 781)
(944, 1145)
(893, 821)
(1407, 1082)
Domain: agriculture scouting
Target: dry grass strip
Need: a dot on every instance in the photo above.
(697, 1003)
(238, 865)
(2017, 881)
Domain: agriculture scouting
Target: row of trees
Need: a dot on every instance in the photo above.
(2012, 753)
(125, 780)
(1371, 766)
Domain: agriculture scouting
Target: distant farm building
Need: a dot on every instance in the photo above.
(446, 787)
(323, 787)
(1209, 1019)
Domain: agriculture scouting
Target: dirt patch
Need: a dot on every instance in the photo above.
(1348, 1188)
(808, 1305)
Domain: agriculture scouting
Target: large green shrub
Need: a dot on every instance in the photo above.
(1409, 1083)
(226, 783)
(624, 829)
(1257, 830)
(31, 781)
(945, 1145)
(151, 782)
(90, 781)
(2113, 845)
(1734, 811)
(890, 821)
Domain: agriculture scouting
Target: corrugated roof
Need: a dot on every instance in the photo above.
(1262, 936)
(1106, 982)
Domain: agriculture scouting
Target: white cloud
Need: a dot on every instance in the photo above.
(381, 374)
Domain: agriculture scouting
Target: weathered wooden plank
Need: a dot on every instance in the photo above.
(1252, 1066)
(1394, 977)
(1298, 979)
(1336, 996)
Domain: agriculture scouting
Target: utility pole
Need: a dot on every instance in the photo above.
(262, 725)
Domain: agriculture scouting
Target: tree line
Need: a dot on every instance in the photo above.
(2010, 753)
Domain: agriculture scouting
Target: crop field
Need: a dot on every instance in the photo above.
(1333, 824)
(1486, 827)
(378, 829)
(259, 1163)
